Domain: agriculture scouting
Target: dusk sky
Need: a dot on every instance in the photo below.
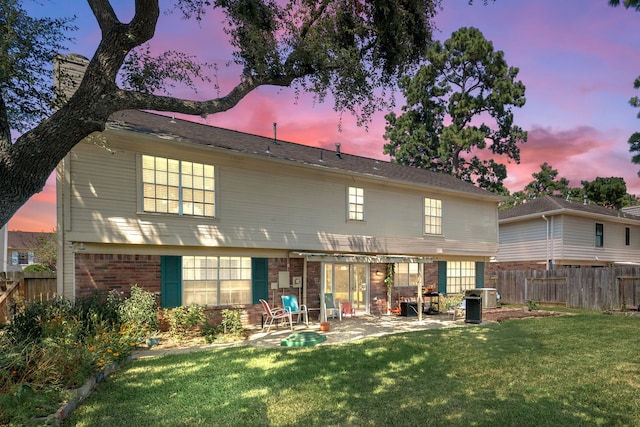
(577, 58)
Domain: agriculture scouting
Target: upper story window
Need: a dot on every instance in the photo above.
(599, 235)
(356, 203)
(627, 236)
(178, 187)
(432, 216)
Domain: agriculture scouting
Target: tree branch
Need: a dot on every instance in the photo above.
(104, 14)
(138, 100)
(5, 129)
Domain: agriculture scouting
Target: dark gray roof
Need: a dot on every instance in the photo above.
(24, 239)
(556, 205)
(186, 131)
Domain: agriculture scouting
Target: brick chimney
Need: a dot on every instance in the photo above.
(67, 73)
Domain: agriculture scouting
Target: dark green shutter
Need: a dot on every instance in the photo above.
(479, 274)
(260, 279)
(442, 277)
(170, 281)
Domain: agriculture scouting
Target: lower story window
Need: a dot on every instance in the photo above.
(407, 274)
(213, 280)
(461, 275)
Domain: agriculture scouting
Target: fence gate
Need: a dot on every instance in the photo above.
(546, 289)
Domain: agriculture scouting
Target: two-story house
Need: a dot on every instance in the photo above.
(550, 232)
(19, 248)
(211, 216)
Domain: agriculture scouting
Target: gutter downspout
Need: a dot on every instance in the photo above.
(547, 242)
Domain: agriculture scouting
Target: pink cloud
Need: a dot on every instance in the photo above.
(578, 154)
(39, 213)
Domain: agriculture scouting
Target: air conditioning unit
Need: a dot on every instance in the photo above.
(489, 297)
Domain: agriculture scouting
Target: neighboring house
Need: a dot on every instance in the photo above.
(21, 248)
(550, 232)
(211, 216)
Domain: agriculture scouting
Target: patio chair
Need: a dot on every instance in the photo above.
(330, 304)
(275, 314)
(290, 303)
(347, 308)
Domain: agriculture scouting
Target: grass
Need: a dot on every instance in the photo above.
(560, 371)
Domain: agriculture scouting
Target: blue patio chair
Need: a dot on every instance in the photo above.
(290, 303)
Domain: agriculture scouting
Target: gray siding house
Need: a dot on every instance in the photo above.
(550, 232)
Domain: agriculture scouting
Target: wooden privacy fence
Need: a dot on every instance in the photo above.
(589, 288)
(19, 287)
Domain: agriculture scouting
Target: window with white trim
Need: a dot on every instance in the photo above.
(432, 216)
(212, 280)
(599, 241)
(22, 258)
(356, 203)
(178, 187)
(407, 274)
(461, 275)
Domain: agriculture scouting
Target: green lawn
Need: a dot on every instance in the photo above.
(560, 371)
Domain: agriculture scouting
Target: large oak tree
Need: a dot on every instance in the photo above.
(347, 48)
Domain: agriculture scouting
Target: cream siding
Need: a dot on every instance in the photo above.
(263, 205)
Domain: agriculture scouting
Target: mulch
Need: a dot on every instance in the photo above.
(498, 315)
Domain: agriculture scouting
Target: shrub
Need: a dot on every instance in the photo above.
(138, 313)
(97, 312)
(230, 329)
(231, 322)
(30, 317)
(182, 319)
(37, 268)
(447, 302)
(54, 345)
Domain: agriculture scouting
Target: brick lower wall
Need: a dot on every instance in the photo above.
(103, 273)
(509, 266)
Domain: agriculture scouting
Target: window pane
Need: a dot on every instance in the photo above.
(148, 162)
(198, 182)
(148, 175)
(161, 164)
(187, 168)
